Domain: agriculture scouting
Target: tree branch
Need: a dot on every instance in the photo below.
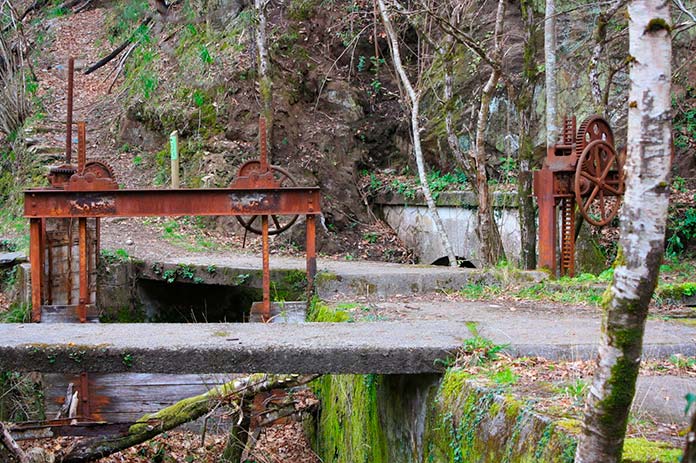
(12, 446)
(118, 50)
(149, 426)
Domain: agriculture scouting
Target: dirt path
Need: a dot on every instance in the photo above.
(76, 36)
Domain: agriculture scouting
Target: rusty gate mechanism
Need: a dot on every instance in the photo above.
(89, 191)
(257, 174)
(582, 172)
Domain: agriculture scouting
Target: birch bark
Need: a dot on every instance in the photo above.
(414, 100)
(642, 234)
(265, 81)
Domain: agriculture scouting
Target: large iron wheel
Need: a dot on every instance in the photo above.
(599, 183)
(277, 223)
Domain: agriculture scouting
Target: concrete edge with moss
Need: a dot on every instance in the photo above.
(448, 418)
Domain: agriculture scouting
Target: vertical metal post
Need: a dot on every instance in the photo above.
(69, 264)
(311, 254)
(567, 267)
(266, 311)
(263, 148)
(49, 263)
(69, 116)
(97, 232)
(81, 146)
(174, 150)
(44, 264)
(36, 270)
(85, 409)
(84, 277)
(544, 190)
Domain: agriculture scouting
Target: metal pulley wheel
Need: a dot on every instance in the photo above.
(599, 182)
(591, 129)
(99, 169)
(277, 223)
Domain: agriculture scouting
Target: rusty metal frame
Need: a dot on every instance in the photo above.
(82, 196)
(559, 195)
(41, 204)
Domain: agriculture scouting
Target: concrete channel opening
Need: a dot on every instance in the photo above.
(181, 302)
(444, 262)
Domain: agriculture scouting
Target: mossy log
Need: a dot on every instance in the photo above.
(150, 425)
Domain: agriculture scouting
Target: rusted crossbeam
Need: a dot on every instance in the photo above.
(51, 203)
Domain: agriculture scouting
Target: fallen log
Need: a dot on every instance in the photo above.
(117, 51)
(175, 415)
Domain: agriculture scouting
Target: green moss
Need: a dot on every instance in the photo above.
(658, 24)
(677, 291)
(624, 338)
(327, 276)
(452, 384)
(349, 429)
(124, 315)
(569, 424)
(621, 385)
(640, 450)
(513, 407)
(301, 10)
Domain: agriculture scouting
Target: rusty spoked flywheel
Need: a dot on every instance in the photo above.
(599, 182)
(277, 223)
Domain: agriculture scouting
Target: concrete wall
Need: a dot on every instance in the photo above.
(445, 419)
(414, 225)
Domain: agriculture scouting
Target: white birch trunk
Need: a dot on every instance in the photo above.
(642, 234)
(265, 81)
(550, 70)
(414, 100)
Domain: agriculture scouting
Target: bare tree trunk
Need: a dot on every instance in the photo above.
(492, 251)
(265, 81)
(690, 447)
(9, 443)
(642, 234)
(550, 69)
(524, 101)
(14, 104)
(414, 99)
(600, 39)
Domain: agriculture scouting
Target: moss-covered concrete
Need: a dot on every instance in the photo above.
(448, 419)
(349, 428)
(468, 423)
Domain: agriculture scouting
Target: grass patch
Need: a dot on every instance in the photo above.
(17, 313)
